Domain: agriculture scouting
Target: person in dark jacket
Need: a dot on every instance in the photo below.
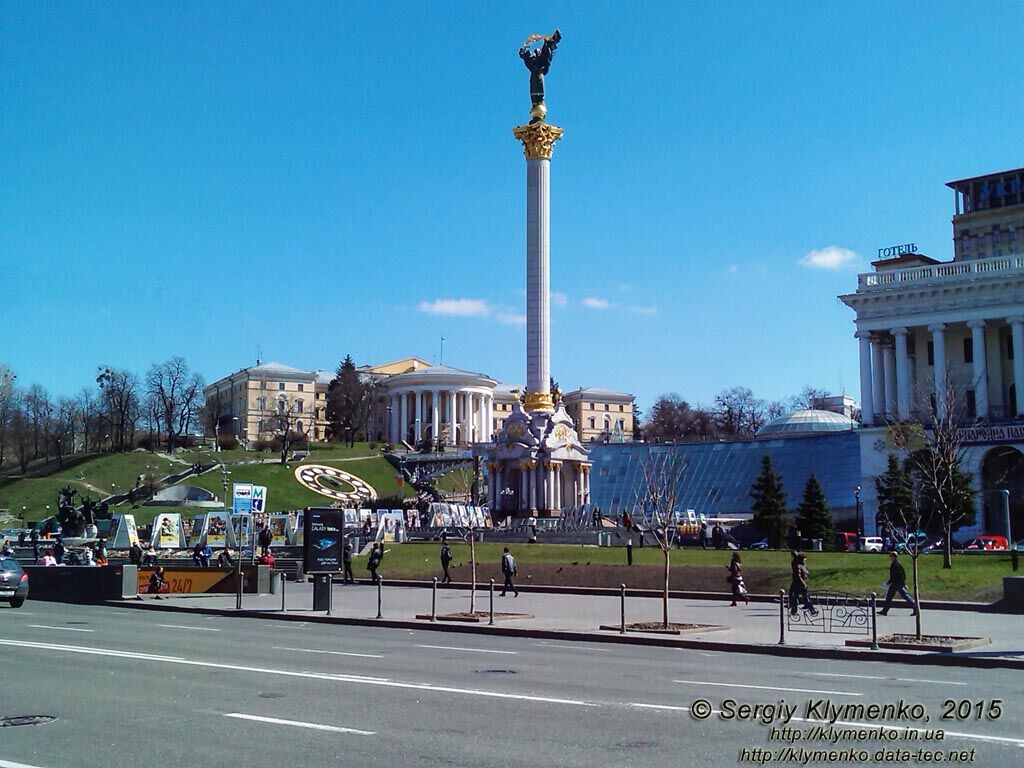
(799, 584)
(224, 559)
(265, 538)
(508, 569)
(374, 561)
(739, 589)
(157, 582)
(446, 560)
(58, 551)
(346, 561)
(703, 535)
(135, 554)
(897, 583)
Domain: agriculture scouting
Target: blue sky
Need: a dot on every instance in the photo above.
(322, 179)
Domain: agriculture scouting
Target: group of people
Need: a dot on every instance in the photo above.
(89, 554)
(800, 584)
(716, 537)
(509, 569)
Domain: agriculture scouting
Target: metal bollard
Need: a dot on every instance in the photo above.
(622, 611)
(491, 620)
(330, 593)
(782, 617)
(1014, 558)
(380, 583)
(629, 551)
(433, 601)
(238, 587)
(874, 621)
(282, 593)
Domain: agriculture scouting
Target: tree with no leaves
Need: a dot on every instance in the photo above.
(658, 501)
(177, 394)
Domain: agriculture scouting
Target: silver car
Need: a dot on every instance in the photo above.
(13, 582)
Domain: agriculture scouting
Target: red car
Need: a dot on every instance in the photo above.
(988, 543)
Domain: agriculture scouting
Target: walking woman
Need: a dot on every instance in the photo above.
(739, 589)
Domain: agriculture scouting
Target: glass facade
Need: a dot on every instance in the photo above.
(716, 477)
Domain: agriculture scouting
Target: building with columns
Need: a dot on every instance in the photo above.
(439, 402)
(938, 338)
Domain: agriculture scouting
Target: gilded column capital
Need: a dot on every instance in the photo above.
(539, 401)
(538, 139)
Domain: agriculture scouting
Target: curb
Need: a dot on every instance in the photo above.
(790, 651)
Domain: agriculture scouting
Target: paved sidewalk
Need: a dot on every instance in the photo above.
(757, 623)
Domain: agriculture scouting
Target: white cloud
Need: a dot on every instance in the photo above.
(456, 307)
(559, 299)
(732, 270)
(644, 310)
(594, 302)
(511, 318)
(832, 257)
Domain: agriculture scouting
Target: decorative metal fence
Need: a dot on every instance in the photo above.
(829, 613)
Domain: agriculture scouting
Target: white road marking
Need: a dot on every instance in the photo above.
(659, 706)
(587, 649)
(23, 644)
(474, 650)
(332, 653)
(767, 687)
(881, 677)
(299, 724)
(185, 626)
(62, 629)
(9, 764)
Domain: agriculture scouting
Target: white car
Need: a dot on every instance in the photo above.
(870, 544)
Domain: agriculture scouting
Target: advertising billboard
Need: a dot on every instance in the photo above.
(324, 528)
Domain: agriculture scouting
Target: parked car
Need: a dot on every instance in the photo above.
(13, 582)
(939, 545)
(762, 544)
(987, 543)
(920, 539)
(846, 541)
(870, 543)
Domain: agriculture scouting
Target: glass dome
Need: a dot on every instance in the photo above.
(807, 422)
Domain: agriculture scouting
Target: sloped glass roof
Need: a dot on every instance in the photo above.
(807, 421)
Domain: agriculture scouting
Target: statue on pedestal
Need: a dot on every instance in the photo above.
(538, 61)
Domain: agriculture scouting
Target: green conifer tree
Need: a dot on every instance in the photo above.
(814, 519)
(769, 505)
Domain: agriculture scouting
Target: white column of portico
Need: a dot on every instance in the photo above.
(403, 415)
(464, 418)
(1017, 329)
(939, 356)
(878, 380)
(867, 406)
(533, 485)
(435, 409)
(418, 394)
(451, 417)
(392, 417)
(889, 361)
(489, 418)
(902, 374)
(980, 367)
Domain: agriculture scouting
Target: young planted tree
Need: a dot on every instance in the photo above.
(769, 505)
(658, 500)
(813, 517)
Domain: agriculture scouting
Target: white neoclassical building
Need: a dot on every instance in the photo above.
(439, 402)
(935, 335)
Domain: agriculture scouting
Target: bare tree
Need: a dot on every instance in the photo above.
(809, 398)
(119, 391)
(657, 500)
(62, 429)
(88, 416)
(8, 404)
(738, 412)
(282, 418)
(178, 394)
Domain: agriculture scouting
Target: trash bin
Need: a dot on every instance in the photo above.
(815, 545)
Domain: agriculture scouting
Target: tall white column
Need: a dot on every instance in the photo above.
(418, 394)
(889, 361)
(902, 374)
(451, 417)
(939, 356)
(1017, 330)
(980, 367)
(867, 408)
(533, 485)
(392, 417)
(467, 435)
(489, 417)
(878, 381)
(435, 410)
(403, 415)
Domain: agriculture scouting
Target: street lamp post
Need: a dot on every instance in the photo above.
(860, 518)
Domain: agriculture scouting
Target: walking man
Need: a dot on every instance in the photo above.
(509, 569)
(897, 583)
(346, 557)
(265, 538)
(799, 584)
(446, 560)
(703, 535)
(34, 536)
(373, 563)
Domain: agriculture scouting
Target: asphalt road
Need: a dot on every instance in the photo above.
(142, 688)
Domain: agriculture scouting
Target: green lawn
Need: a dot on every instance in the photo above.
(973, 577)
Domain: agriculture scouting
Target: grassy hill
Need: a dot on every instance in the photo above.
(95, 474)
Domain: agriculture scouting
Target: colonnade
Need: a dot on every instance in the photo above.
(886, 377)
(541, 485)
(463, 415)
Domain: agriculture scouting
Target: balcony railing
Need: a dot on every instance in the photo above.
(938, 272)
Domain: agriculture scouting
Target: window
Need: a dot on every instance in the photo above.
(261, 403)
(931, 354)
(280, 386)
(1012, 236)
(263, 384)
(969, 350)
(298, 407)
(1009, 347)
(301, 387)
(995, 234)
(622, 409)
(592, 422)
(607, 407)
(298, 426)
(979, 242)
(971, 406)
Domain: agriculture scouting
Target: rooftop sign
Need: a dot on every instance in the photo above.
(895, 251)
